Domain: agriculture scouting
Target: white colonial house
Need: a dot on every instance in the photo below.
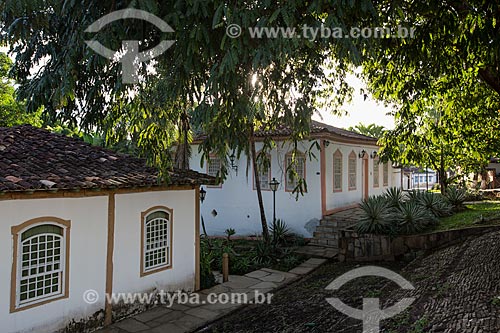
(346, 169)
(78, 221)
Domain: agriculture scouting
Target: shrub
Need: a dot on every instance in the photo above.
(279, 232)
(207, 278)
(376, 216)
(435, 203)
(456, 197)
(263, 253)
(411, 218)
(230, 232)
(395, 196)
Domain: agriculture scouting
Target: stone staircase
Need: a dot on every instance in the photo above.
(327, 232)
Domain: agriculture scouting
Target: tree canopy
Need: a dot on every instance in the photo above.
(373, 130)
(231, 86)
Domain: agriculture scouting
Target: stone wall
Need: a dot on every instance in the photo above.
(371, 247)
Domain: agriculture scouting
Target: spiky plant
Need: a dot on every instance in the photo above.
(376, 216)
(395, 196)
(456, 197)
(410, 218)
(435, 203)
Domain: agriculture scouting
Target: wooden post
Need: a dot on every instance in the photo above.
(225, 267)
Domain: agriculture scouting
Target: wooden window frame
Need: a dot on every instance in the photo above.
(268, 175)
(17, 232)
(170, 230)
(376, 163)
(385, 174)
(303, 156)
(352, 157)
(210, 157)
(337, 155)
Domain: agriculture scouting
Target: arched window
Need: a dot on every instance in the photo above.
(41, 249)
(156, 240)
(352, 168)
(376, 172)
(264, 170)
(300, 170)
(337, 171)
(386, 174)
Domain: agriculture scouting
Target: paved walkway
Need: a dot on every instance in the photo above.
(188, 317)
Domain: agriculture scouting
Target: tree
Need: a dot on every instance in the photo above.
(12, 112)
(443, 141)
(373, 130)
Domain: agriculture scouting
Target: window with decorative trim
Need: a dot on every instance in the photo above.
(214, 166)
(41, 262)
(376, 172)
(264, 171)
(156, 240)
(337, 171)
(386, 174)
(291, 181)
(352, 170)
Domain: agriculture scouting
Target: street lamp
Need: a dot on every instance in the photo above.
(203, 193)
(362, 153)
(274, 187)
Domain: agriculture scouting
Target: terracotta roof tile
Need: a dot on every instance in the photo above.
(35, 159)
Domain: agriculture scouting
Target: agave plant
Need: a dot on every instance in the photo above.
(415, 195)
(456, 197)
(395, 196)
(376, 216)
(411, 218)
(435, 203)
(279, 232)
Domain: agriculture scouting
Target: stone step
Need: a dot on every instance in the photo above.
(325, 235)
(325, 242)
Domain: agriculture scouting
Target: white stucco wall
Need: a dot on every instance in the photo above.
(236, 202)
(348, 197)
(126, 277)
(88, 218)
(88, 251)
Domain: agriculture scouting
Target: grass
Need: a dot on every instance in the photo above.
(489, 211)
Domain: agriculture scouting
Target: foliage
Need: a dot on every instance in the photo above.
(13, 112)
(395, 196)
(435, 203)
(229, 232)
(373, 130)
(377, 216)
(456, 197)
(246, 256)
(396, 213)
(482, 212)
(207, 278)
(279, 232)
(410, 218)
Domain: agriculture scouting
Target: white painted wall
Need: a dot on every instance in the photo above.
(349, 197)
(88, 250)
(236, 202)
(88, 218)
(127, 255)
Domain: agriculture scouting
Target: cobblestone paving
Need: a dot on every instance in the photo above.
(457, 288)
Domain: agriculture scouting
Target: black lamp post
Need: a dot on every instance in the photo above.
(203, 193)
(274, 187)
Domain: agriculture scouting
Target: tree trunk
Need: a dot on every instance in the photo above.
(263, 221)
(442, 175)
